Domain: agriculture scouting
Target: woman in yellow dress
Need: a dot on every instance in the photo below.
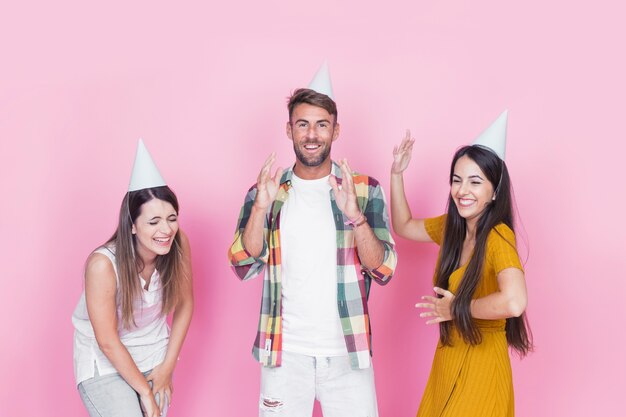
(479, 282)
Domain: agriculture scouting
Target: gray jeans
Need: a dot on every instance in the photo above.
(111, 396)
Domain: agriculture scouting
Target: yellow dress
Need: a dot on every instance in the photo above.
(474, 381)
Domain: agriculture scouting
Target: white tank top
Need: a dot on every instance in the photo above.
(146, 343)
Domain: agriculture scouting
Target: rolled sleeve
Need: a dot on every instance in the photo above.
(385, 271)
(242, 263)
(378, 220)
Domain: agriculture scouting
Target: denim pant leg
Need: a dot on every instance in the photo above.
(343, 391)
(111, 396)
(288, 390)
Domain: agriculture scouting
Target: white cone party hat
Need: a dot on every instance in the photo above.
(494, 137)
(145, 173)
(321, 81)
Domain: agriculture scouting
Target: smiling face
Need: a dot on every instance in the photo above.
(471, 191)
(155, 229)
(312, 130)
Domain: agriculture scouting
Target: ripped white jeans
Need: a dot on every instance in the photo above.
(291, 389)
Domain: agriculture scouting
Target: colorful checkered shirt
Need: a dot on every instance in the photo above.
(353, 279)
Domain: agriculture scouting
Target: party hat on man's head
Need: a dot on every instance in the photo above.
(321, 81)
(145, 173)
(494, 137)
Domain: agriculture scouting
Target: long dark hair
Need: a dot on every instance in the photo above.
(129, 264)
(499, 211)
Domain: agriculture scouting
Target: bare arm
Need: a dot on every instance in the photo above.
(403, 222)
(100, 293)
(371, 249)
(161, 375)
(509, 301)
(253, 233)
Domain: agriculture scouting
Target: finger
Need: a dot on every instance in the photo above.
(345, 162)
(270, 159)
(268, 162)
(435, 320)
(161, 400)
(430, 298)
(278, 175)
(429, 314)
(407, 138)
(262, 178)
(443, 292)
(347, 175)
(425, 305)
(332, 180)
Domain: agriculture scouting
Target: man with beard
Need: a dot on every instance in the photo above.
(322, 233)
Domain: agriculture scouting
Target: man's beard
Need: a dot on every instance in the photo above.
(311, 161)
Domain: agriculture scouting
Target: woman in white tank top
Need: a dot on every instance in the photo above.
(124, 353)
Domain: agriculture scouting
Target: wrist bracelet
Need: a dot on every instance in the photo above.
(356, 222)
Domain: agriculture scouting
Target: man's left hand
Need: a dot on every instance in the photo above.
(345, 194)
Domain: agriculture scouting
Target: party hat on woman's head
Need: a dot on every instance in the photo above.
(145, 173)
(494, 137)
(321, 81)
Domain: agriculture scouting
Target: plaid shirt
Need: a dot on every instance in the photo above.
(353, 279)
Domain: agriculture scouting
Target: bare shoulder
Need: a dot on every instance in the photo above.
(99, 269)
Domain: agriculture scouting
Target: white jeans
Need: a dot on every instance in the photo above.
(291, 389)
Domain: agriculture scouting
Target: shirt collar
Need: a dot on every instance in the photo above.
(288, 174)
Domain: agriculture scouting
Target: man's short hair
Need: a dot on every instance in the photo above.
(312, 97)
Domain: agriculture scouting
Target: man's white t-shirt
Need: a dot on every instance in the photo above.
(308, 241)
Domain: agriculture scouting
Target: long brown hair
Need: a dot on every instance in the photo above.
(129, 264)
(499, 211)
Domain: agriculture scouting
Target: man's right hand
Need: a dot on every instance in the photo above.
(267, 185)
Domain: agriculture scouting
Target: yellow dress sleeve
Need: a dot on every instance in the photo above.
(502, 250)
(434, 228)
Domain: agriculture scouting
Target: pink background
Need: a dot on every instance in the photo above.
(205, 85)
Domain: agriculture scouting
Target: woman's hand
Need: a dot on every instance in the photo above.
(402, 154)
(161, 378)
(439, 308)
(149, 405)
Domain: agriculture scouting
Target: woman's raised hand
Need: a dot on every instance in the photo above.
(402, 154)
